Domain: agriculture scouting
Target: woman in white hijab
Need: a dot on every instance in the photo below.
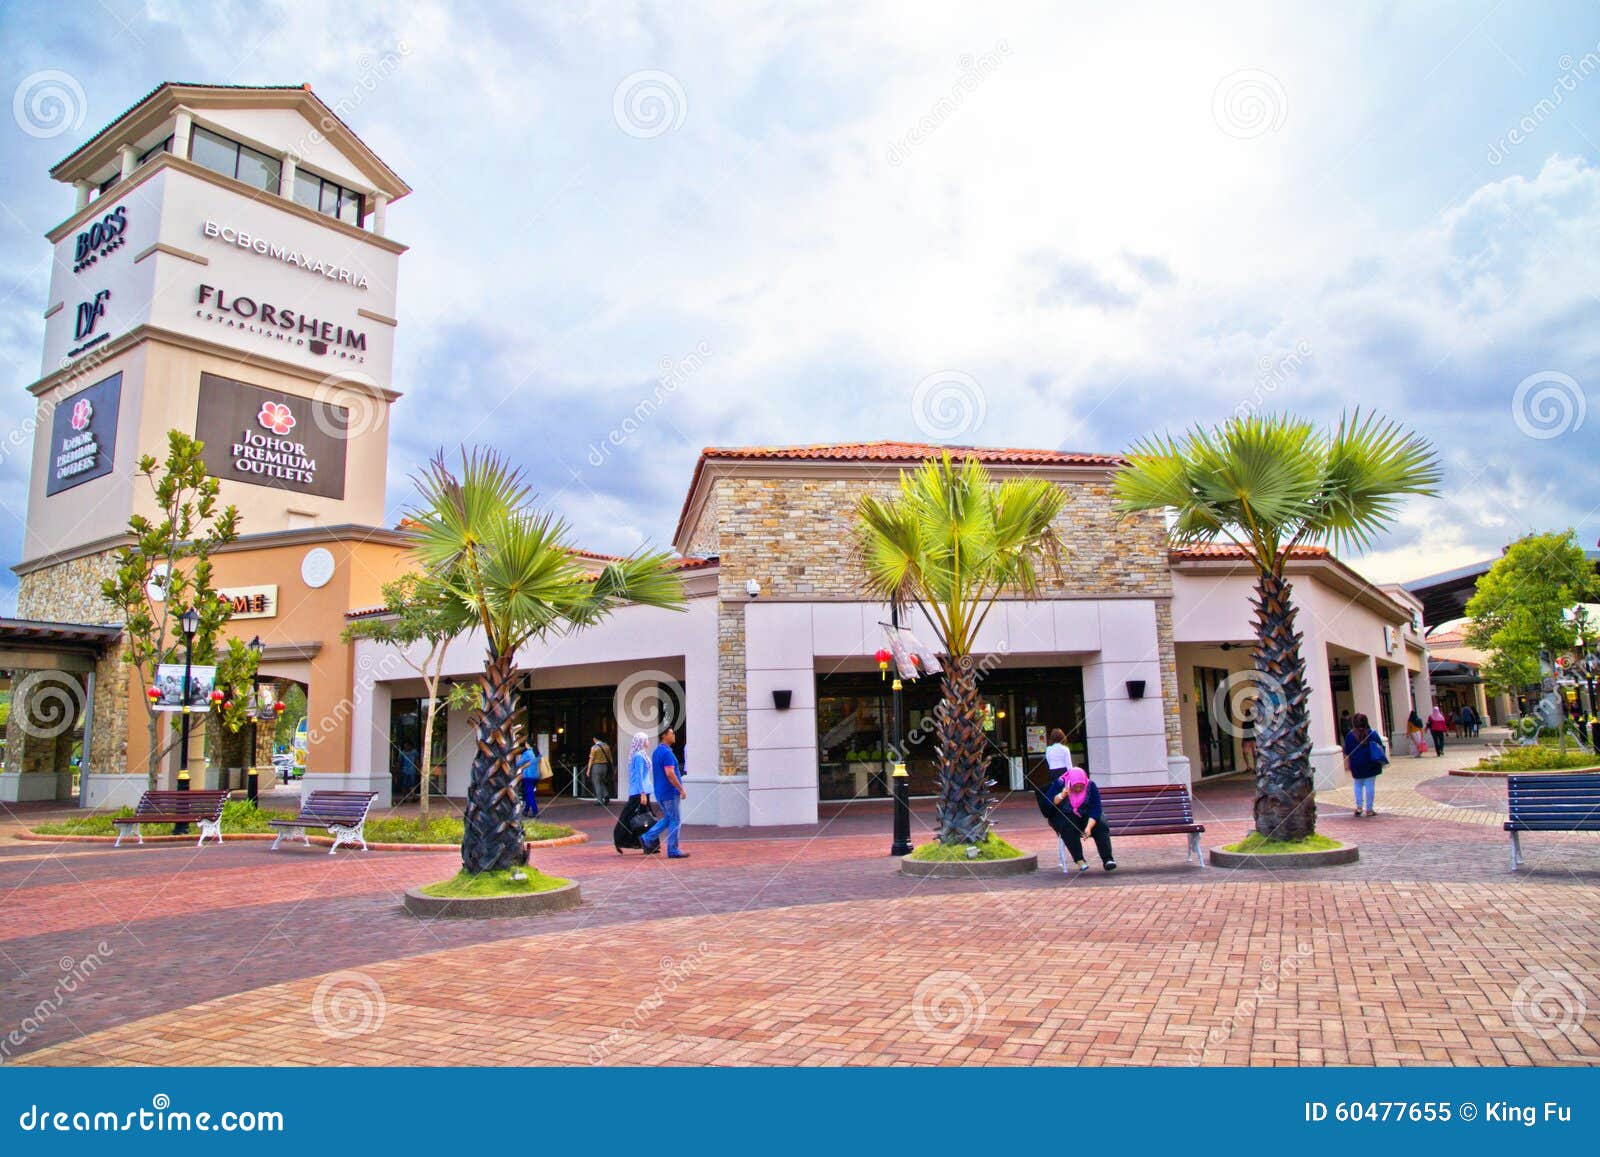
(640, 786)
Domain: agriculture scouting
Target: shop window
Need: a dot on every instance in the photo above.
(328, 197)
(223, 155)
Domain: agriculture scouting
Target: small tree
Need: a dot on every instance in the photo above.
(419, 614)
(167, 568)
(1523, 608)
(236, 679)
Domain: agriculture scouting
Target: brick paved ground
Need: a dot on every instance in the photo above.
(803, 946)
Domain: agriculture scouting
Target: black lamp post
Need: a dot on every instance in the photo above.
(252, 782)
(189, 622)
(902, 790)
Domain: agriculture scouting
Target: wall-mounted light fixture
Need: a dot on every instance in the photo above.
(782, 699)
(1135, 688)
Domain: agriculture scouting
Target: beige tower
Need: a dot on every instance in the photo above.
(226, 271)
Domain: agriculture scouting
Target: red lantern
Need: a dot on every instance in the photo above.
(883, 658)
(217, 697)
(155, 694)
(280, 706)
(228, 705)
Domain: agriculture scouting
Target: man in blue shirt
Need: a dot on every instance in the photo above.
(669, 794)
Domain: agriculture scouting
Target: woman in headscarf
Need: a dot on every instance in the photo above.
(640, 785)
(1072, 807)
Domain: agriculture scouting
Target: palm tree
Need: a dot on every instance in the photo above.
(511, 572)
(1268, 485)
(950, 542)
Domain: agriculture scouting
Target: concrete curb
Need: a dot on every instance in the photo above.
(968, 869)
(316, 841)
(1348, 854)
(1475, 773)
(491, 907)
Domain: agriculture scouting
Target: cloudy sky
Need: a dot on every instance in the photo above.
(1047, 225)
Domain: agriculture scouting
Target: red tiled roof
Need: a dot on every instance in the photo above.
(888, 452)
(1228, 550)
(1447, 639)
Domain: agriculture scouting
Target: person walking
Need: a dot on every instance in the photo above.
(1437, 725)
(1419, 746)
(528, 765)
(599, 769)
(1364, 758)
(669, 792)
(1077, 800)
(1469, 721)
(639, 786)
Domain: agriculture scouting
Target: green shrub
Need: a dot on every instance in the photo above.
(992, 848)
(240, 815)
(496, 883)
(1538, 757)
(1256, 844)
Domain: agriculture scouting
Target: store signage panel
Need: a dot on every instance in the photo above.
(258, 602)
(271, 247)
(83, 435)
(270, 438)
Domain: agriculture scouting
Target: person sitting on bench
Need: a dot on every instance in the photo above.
(1079, 801)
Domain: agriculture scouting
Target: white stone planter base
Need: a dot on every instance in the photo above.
(30, 787)
(109, 792)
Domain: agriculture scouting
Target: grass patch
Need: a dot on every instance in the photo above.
(1256, 844)
(1540, 757)
(240, 815)
(498, 883)
(992, 848)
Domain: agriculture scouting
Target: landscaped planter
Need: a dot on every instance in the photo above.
(969, 869)
(318, 841)
(112, 792)
(1325, 858)
(1487, 773)
(492, 907)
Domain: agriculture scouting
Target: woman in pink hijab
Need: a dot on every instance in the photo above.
(1074, 812)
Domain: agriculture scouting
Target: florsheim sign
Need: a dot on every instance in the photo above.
(270, 438)
(83, 435)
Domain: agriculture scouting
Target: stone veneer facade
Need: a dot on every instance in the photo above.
(795, 536)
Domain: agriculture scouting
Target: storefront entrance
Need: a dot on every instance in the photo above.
(855, 730)
(563, 726)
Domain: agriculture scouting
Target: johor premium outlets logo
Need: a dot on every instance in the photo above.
(275, 416)
(280, 323)
(105, 236)
(255, 243)
(82, 411)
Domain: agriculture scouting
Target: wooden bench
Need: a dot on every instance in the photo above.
(175, 807)
(1163, 809)
(1550, 803)
(342, 813)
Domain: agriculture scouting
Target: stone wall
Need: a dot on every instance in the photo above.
(796, 537)
(69, 592)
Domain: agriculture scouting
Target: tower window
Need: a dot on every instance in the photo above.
(232, 159)
(328, 197)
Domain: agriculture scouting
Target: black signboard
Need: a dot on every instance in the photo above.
(83, 435)
(270, 438)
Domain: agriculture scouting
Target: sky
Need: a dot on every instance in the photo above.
(638, 230)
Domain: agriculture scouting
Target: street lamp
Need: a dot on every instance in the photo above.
(189, 623)
(901, 844)
(251, 776)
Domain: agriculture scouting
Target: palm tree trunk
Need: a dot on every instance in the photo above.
(493, 835)
(1286, 806)
(963, 791)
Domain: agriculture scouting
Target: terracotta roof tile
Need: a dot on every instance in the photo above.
(1228, 550)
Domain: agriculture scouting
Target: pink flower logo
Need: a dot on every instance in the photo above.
(82, 411)
(275, 416)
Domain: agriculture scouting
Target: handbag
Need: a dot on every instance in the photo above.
(1375, 751)
(544, 768)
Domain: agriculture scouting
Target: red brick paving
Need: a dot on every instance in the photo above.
(814, 949)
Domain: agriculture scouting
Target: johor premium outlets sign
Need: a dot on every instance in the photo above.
(266, 247)
(259, 602)
(83, 435)
(280, 323)
(269, 438)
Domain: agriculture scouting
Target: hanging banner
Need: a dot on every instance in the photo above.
(169, 681)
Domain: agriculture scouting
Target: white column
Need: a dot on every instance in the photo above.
(781, 745)
(1327, 754)
(286, 176)
(1126, 740)
(82, 189)
(130, 160)
(1364, 690)
(180, 133)
(380, 206)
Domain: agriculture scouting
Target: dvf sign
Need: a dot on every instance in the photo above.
(89, 312)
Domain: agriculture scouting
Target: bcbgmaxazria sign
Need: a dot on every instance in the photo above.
(269, 438)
